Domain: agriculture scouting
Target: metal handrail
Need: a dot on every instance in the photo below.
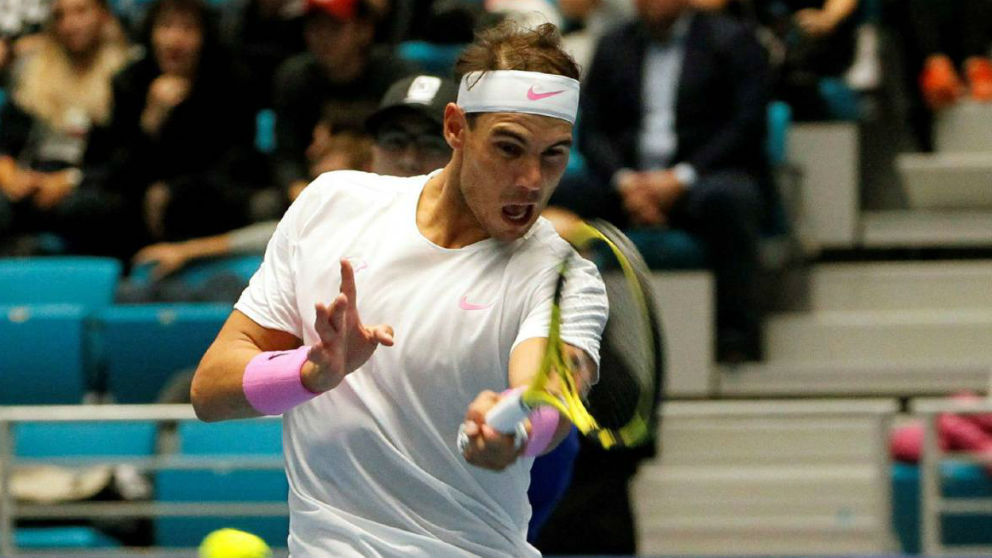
(932, 503)
(10, 510)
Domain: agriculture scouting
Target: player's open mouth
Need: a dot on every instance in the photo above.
(518, 214)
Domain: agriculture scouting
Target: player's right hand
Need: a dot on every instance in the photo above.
(486, 447)
(345, 343)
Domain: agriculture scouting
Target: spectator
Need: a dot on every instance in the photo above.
(952, 34)
(60, 92)
(672, 127)
(588, 20)
(20, 23)
(263, 34)
(406, 130)
(178, 149)
(819, 39)
(340, 65)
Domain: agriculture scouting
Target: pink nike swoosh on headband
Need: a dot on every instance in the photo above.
(464, 304)
(535, 96)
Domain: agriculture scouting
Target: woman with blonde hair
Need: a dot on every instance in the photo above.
(59, 94)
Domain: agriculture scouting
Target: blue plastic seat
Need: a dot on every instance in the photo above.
(235, 438)
(68, 537)
(43, 357)
(87, 281)
(40, 440)
(197, 273)
(143, 346)
(959, 480)
(431, 58)
(85, 439)
(265, 131)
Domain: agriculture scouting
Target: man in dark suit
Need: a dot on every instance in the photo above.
(673, 127)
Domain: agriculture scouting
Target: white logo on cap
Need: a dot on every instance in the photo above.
(423, 89)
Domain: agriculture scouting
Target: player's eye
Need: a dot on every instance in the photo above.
(509, 149)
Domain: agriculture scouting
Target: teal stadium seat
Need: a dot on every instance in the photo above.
(40, 440)
(250, 438)
(87, 281)
(43, 354)
(960, 480)
(430, 58)
(143, 346)
(265, 131)
(196, 274)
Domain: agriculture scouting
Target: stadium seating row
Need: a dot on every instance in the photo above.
(233, 465)
(62, 337)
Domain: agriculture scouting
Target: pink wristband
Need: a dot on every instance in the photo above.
(272, 382)
(543, 425)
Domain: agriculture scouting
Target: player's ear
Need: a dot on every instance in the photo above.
(455, 126)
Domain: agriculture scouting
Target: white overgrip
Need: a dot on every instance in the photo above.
(508, 413)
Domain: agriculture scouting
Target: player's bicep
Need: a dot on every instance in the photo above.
(242, 332)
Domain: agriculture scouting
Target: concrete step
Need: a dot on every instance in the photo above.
(964, 128)
(939, 285)
(880, 337)
(852, 379)
(947, 180)
(766, 441)
(926, 229)
(772, 477)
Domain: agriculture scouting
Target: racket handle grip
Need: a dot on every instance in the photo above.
(508, 413)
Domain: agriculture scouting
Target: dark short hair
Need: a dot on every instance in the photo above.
(509, 46)
(201, 12)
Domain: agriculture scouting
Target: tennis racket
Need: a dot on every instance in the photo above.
(621, 408)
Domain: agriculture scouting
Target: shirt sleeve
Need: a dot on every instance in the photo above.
(270, 298)
(584, 308)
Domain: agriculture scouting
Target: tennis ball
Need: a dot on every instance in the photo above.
(232, 543)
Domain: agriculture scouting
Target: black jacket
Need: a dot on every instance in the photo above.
(721, 101)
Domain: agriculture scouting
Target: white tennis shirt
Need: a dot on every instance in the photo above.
(372, 464)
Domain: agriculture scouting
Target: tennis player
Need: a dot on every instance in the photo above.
(457, 269)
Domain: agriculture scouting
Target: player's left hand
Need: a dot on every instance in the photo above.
(487, 448)
(345, 342)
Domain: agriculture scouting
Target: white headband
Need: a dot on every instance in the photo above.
(518, 91)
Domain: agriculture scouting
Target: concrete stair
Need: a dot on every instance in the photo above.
(961, 285)
(767, 478)
(926, 229)
(894, 329)
(947, 180)
(964, 128)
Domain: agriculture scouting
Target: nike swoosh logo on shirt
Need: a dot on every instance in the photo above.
(535, 96)
(464, 304)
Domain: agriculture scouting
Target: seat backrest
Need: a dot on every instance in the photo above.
(43, 357)
(197, 273)
(85, 439)
(88, 281)
(143, 346)
(244, 438)
(432, 58)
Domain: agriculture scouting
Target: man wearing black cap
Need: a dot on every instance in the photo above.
(407, 127)
(340, 64)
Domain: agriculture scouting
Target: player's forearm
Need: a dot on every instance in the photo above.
(217, 392)
(561, 432)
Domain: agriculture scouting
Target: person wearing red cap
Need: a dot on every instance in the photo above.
(340, 64)
(458, 269)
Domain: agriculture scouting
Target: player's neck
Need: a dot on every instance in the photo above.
(442, 214)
